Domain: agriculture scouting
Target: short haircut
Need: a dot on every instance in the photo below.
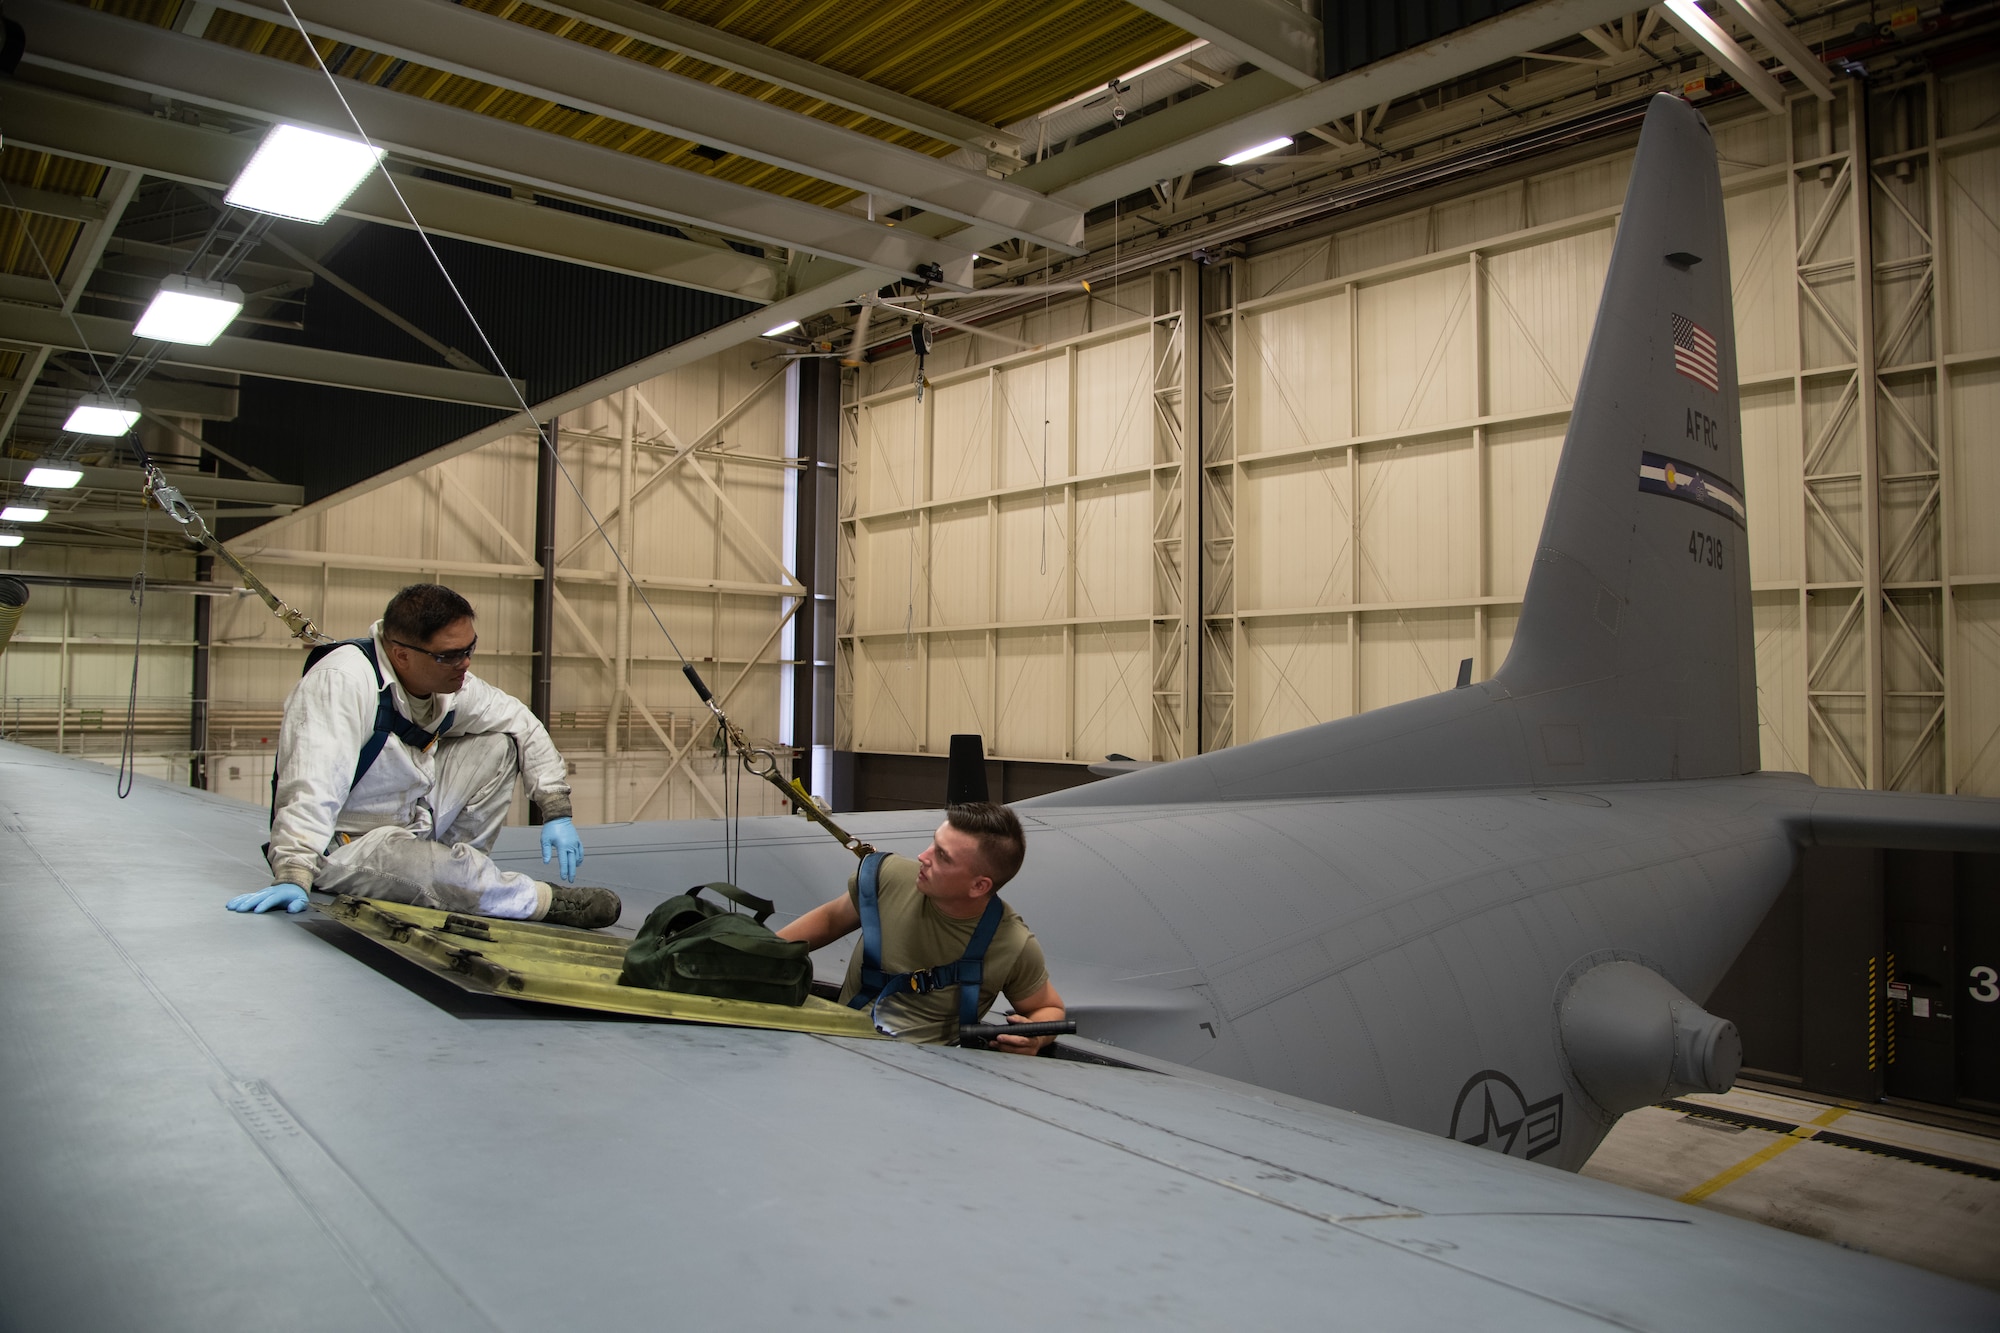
(998, 832)
(421, 610)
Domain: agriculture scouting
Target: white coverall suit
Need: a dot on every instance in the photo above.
(418, 825)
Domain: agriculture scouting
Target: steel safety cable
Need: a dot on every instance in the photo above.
(128, 750)
(749, 755)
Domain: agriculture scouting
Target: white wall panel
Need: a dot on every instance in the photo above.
(1114, 526)
(960, 566)
(1972, 245)
(1763, 288)
(1405, 654)
(891, 591)
(963, 434)
(1293, 546)
(1419, 521)
(1297, 672)
(1034, 421)
(1294, 388)
(1113, 691)
(1975, 463)
(1416, 338)
(888, 695)
(1541, 303)
(1032, 684)
(1114, 414)
(1772, 479)
(1034, 573)
(1975, 721)
(1521, 468)
(961, 689)
(1781, 695)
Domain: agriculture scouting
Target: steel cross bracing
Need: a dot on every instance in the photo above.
(1876, 604)
(1176, 533)
(645, 455)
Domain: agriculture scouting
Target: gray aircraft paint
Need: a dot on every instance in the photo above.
(218, 1121)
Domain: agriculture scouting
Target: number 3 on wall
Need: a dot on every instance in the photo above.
(1986, 991)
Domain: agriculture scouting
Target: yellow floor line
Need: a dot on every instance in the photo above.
(1757, 1159)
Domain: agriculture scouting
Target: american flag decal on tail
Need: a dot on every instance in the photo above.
(1694, 353)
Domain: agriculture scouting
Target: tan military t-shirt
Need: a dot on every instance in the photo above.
(916, 935)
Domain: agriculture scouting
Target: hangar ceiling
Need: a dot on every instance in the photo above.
(610, 180)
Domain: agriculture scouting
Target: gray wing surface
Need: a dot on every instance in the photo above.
(222, 1122)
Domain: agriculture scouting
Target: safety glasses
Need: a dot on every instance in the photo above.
(455, 658)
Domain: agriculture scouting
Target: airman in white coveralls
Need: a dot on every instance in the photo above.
(418, 825)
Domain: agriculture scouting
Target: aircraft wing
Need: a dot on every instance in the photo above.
(216, 1121)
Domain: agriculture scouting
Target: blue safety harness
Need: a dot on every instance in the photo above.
(388, 722)
(877, 986)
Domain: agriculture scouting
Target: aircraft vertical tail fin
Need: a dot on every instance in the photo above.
(1633, 657)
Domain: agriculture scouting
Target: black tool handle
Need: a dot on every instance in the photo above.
(981, 1034)
(694, 679)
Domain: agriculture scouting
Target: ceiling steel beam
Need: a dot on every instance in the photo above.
(91, 131)
(41, 327)
(194, 485)
(109, 583)
(831, 286)
(643, 22)
(1719, 46)
(145, 516)
(1270, 34)
(526, 60)
(126, 53)
(1201, 131)
(50, 204)
(1768, 26)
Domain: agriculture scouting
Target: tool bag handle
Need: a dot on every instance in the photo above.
(759, 907)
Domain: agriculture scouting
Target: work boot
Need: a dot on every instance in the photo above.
(575, 905)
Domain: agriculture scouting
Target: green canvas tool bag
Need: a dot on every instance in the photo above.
(697, 948)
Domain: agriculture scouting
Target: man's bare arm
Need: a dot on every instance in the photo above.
(1044, 1006)
(825, 923)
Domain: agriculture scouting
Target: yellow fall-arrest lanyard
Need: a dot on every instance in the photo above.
(176, 507)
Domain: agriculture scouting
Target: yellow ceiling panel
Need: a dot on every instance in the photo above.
(21, 234)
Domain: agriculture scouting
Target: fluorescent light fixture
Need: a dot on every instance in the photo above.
(99, 415)
(54, 478)
(1259, 151)
(785, 327)
(23, 514)
(190, 310)
(10, 539)
(303, 174)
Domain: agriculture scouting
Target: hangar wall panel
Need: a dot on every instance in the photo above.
(706, 537)
(1376, 417)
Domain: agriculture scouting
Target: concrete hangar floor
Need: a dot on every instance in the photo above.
(1920, 1186)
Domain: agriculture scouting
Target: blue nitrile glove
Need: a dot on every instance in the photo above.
(560, 841)
(288, 896)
